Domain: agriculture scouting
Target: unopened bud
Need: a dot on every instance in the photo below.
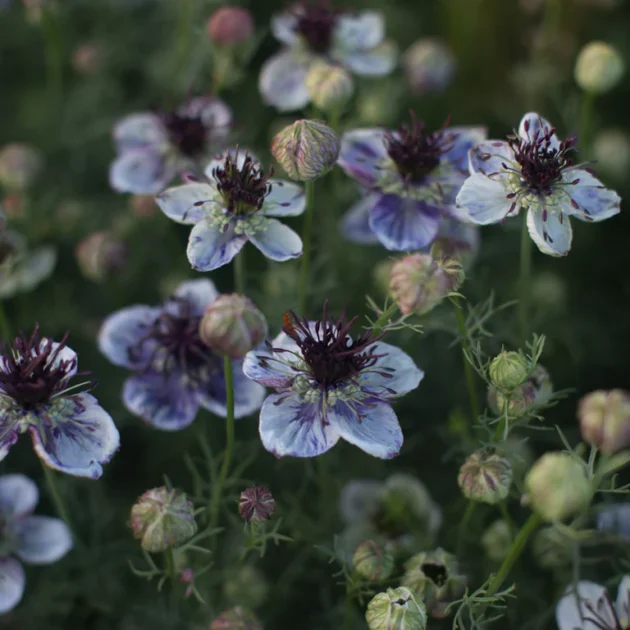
(508, 370)
(396, 609)
(551, 548)
(535, 391)
(163, 518)
(237, 618)
(373, 561)
(557, 487)
(229, 26)
(100, 255)
(497, 541)
(605, 420)
(429, 66)
(19, 166)
(232, 325)
(599, 68)
(87, 58)
(485, 477)
(329, 86)
(611, 149)
(306, 150)
(256, 504)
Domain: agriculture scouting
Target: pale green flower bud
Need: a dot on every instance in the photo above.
(232, 325)
(611, 149)
(306, 150)
(429, 66)
(163, 518)
(19, 166)
(396, 609)
(330, 86)
(435, 577)
(508, 370)
(373, 561)
(497, 540)
(237, 618)
(605, 420)
(557, 487)
(246, 586)
(535, 391)
(552, 550)
(485, 477)
(599, 68)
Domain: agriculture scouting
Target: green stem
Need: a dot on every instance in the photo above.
(183, 34)
(524, 281)
(506, 517)
(171, 573)
(384, 317)
(239, 273)
(468, 369)
(53, 54)
(55, 496)
(307, 237)
(217, 491)
(586, 122)
(347, 611)
(5, 327)
(463, 526)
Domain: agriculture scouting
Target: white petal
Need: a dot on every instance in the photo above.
(623, 601)
(595, 202)
(534, 125)
(187, 204)
(12, 582)
(359, 31)
(286, 199)
(571, 610)
(42, 540)
(81, 438)
(269, 368)
(198, 293)
(210, 248)
(551, 231)
(376, 62)
(138, 131)
(282, 81)
(360, 500)
(370, 424)
(283, 27)
(355, 224)
(488, 157)
(141, 172)
(482, 200)
(277, 241)
(18, 496)
(395, 370)
(291, 426)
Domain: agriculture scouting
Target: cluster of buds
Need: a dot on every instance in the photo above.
(485, 476)
(396, 609)
(536, 390)
(373, 561)
(605, 420)
(330, 86)
(598, 68)
(101, 255)
(237, 618)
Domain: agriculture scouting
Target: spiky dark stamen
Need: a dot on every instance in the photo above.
(315, 23)
(187, 132)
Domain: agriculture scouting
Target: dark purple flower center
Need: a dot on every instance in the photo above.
(315, 23)
(330, 353)
(243, 188)
(415, 151)
(541, 163)
(187, 132)
(33, 371)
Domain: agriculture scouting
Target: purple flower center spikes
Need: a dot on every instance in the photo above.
(188, 133)
(541, 162)
(330, 353)
(242, 188)
(414, 151)
(33, 370)
(315, 24)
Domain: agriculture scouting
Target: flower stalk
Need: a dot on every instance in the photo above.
(307, 237)
(470, 376)
(57, 500)
(524, 281)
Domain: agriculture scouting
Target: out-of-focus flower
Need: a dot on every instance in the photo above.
(486, 477)
(163, 518)
(590, 606)
(605, 420)
(534, 392)
(435, 577)
(396, 609)
(508, 370)
(237, 618)
(534, 170)
(187, 577)
(418, 282)
(557, 487)
(412, 177)
(174, 372)
(497, 540)
(312, 31)
(373, 561)
(235, 204)
(71, 432)
(143, 205)
(230, 26)
(330, 386)
(611, 149)
(154, 148)
(24, 537)
(615, 519)
(19, 166)
(21, 269)
(87, 58)
(429, 65)
(551, 548)
(549, 290)
(256, 504)
(13, 205)
(329, 86)
(598, 68)
(247, 586)
(306, 149)
(100, 255)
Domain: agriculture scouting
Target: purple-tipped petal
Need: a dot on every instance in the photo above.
(286, 199)
(551, 231)
(42, 540)
(594, 201)
(361, 154)
(18, 496)
(402, 224)
(359, 31)
(483, 200)
(282, 81)
(12, 583)
(533, 126)
(198, 294)
(77, 437)
(355, 224)
(210, 248)
(187, 204)
(141, 172)
(463, 140)
(488, 158)
(277, 241)
(139, 131)
(393, 374)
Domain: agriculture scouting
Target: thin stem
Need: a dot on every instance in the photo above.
(53, 54)
(171, 573)
(524, 281)
(468, 369)
(58, 502)
(307, 237)
(229, 444)
(463, 526)
(384, 317)
(347, 611)
(507, 518)
(239, 272)
(183, 35)
(586, 121)
(5, 326)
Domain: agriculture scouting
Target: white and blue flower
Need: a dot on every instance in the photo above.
(411, 179)
(154, 148)
(330, 386)
(24, 537)
(312, 31)
(71, 432)
(533, 170)
(237, 203)
(174, 372)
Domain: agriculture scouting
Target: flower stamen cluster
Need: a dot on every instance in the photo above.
(187, 132)
(315, 23)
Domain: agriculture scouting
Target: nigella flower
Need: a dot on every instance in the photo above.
(174, 372)
(615, 519)
(312, 31)
(235, 205)
(153, 148)
(590, 607)
(31, 539)
(411, 176)
(330, 385)
(71, 432)
(534, 170)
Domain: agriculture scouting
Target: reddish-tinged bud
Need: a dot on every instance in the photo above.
(237, 618)
(486, 477)
(100, 255)
(229, 26)
(256, 504)
(605, 420)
